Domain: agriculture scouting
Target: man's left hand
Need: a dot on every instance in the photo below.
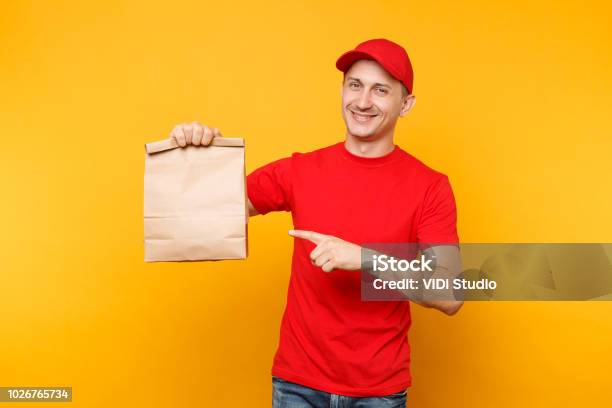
(331, 252)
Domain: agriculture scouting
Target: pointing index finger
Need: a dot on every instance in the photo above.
(312, 236)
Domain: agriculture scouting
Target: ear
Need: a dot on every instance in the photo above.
(407, 105)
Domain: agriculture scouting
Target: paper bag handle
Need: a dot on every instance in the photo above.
(168, 144)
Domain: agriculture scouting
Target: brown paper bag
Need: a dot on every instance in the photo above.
(195, 204)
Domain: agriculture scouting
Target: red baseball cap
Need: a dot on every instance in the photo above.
(391, 56)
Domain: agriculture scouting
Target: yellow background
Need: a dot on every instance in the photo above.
(513, 103)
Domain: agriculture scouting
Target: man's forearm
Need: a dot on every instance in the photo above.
(440, 299)
(252, 211)
(448, 307)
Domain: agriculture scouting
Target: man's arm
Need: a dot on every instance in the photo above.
(334, 253)
(252, 211)
(447, 266)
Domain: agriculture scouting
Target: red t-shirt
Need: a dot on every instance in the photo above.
(330, 340)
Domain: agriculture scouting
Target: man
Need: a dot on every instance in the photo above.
(335, 349)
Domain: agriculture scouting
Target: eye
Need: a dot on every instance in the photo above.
(354, 85)
(382, 91)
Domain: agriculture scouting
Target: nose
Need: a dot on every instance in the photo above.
(364, 102)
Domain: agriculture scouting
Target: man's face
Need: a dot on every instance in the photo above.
(372, 100)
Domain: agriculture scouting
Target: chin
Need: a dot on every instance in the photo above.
(361, 133)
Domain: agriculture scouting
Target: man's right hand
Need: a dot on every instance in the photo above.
(194, 133)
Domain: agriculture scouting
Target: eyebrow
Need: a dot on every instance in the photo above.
(376, 84)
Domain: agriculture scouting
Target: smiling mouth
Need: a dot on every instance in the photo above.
(362, 117)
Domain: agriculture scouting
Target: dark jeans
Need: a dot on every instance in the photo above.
(286, 394)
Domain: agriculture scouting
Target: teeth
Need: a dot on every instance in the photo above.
(362, 118)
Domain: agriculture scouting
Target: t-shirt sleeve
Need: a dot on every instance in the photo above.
(438, 223)
(270, 187)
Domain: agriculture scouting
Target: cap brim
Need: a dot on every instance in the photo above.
(348, 58)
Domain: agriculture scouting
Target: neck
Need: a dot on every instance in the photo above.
(366, 147)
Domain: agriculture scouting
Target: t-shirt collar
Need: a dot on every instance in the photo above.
(374, 161)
